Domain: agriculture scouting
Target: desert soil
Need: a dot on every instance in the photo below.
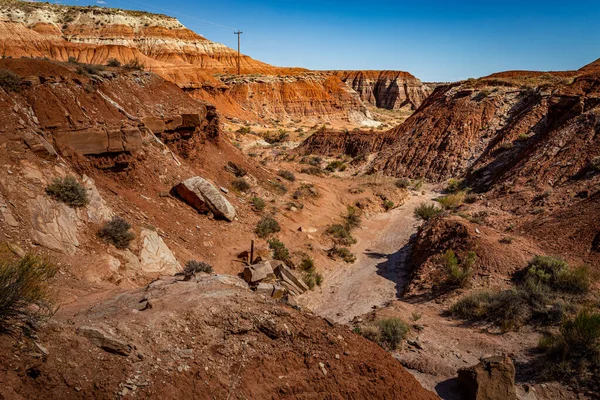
(377, 276)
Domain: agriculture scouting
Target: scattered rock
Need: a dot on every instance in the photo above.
(492, 379)
(309, 229)
(156, 255)
(290, 280)
(106, 342)
(204, 197)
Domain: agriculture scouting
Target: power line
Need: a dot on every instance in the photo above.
(238, 33)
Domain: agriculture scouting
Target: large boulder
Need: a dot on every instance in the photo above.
(258, 272)
(492, 379)
(205, 197)
(156, 257)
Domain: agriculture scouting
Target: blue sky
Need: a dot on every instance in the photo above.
(435, 40)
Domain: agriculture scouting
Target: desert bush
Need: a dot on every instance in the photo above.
(25, 297)
(258, 203)
(352, 218)
(287, 175)
(10, 81)
(193, 267)
(458, 274)
(402, 183)
(307, 264)
(388, 205)
(309, 279)
(240, 185)
(318, 279)
(69, 191)
(574, 353)
(117, 232)
(113, 62)
(417, 184)
(244, 130)
(315, 161)
(523, 137)
(134, 65)
(506, 145)
(340, 234)
(336, 165)
(266, 227)
(89, 69)
(280, 252)
(391, 332)
(312, 171)
(452, 201)
(471, 198)
(556, 275)
(454, 185)
(370, 332)
(506, 240)
(343, 253)
(427, 211)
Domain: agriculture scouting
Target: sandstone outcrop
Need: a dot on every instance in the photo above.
(205, 197)
(391, 90)
(492, 379)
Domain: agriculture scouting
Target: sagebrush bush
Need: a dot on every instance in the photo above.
(280, 252)
(307, 264)
(266, 227)
(193, 267)
(427, 211)
(287, 175)
(134, 65)
(240, 185)
(452, 201)
(352, 218)
(458, 273)
(403, 183)
(258, 203)
(113, 62)
(388, 205)
(10, 81)
(574, 353)
(69, 191)
(391, 332)
(340, 234)
(454, 185)
(117, 231)
(557, 275)
(343, 253)
(25, 296)
(336, 165)
(312, 171)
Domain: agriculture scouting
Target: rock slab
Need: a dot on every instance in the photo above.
(205, 197)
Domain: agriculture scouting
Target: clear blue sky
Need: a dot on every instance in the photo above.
(436, 40)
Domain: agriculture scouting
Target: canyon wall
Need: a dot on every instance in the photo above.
(94, 35)
(391, 90)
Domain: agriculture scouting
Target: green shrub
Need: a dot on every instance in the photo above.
(370, 332)
(403, 183)
(506, 145)
(193, 267)
(452, 201)
(557, 275)
(240, 185)
(318, 279)
(25, 298)
(312, 171)
(574, 353)
(336, 166)
(244, 130)
(117, 231)
(458, 274)
(427, 211)
(280, 252)
(391, 332)
(340, 234)
(134, 65)
(506, 240)
(417, 184)
(10, 81)
(453, 185)
(258, 203)
(266, 227)
(69, 191)
(352, 218)
(89, 69)
(307, 264)
(471, 198)
(113, 62)
(388, 205)
(343, 253)
(309, 279)
(523, 137)
(287, 175)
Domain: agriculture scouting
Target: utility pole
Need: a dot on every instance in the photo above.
(239, 54)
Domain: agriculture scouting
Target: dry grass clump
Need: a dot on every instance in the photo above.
(388, 332)
(427, 211)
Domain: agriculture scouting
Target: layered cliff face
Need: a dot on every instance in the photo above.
(391, 90)
(94, 35)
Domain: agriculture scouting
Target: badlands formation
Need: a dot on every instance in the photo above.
(169, 229)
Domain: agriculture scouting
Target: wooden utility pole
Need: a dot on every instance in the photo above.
(239, 54)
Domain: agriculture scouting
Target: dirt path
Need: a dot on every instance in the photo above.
(377, 275)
